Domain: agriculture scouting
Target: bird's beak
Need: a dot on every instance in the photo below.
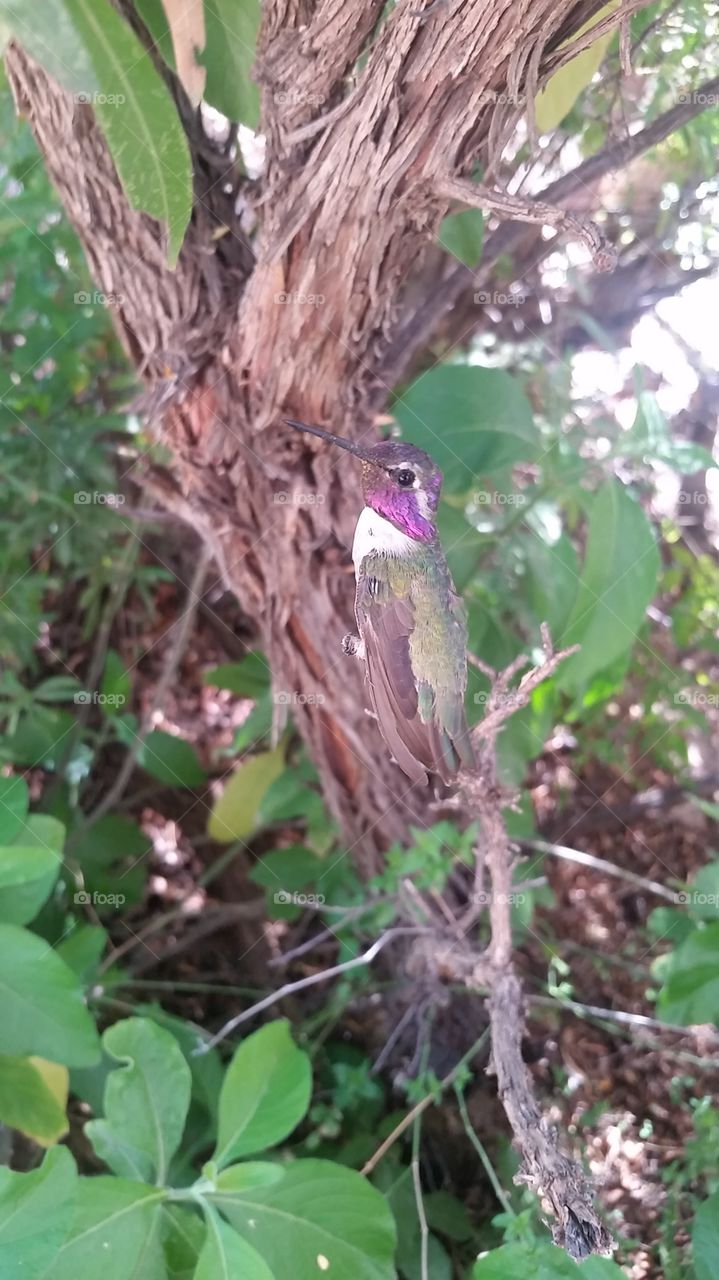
(348, 445)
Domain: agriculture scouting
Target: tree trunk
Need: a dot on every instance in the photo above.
(300, 321)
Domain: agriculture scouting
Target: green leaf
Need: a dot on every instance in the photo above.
(463, 545)
(115, 1233)
(265, 1094)
(27, 876)
(61, 53)
(139, 119)
(705, 1238)
(691, 990)
(115, 687)
(146, 1101)
(538, 1261)
(13, 807)
(171, 760)
(28, 1103)
(703, 894)
(42, 1009)
(234, 814)
(35, 1210)
(317, 1211)
(227, 1256)
(471, 420)
(559, 95)
(42, 831)
(618, 580)
(462, 235)
(184, 1235)
(553, 580)
(248, 678)
(231, 27)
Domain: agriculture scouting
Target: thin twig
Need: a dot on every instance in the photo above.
(322, 976)
(479, 1147)
(553, 1175)
(623, 1016)
(522, 209)
(418, 1198)
(421, 1106)
(600, 864)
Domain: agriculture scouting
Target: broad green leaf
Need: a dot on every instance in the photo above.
(538, 1261)
(114, 1233)
(462, 235)
(560, 93)
(33, 1098)
(691, 989)
(618, 579)
(115, 687)
(400, 1195)
(42, 1010)
(703, 893)
(139, 119)
(184, 1236)
(26, 879)
(650, 437)
(320, 1217)
(234, 814)
(35, 1213)
(82, 950)
(146, 1101)
(705, 1238)
(186, 19)
(232, 27)
(265, 1094)
(463, 545)
(171, 760)
(13, 807)
(470, 419)
(248, 678)
(42, 831)
(46, 30)
(553, 580)
(227, 1256)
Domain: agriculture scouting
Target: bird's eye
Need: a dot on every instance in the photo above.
(405, 478)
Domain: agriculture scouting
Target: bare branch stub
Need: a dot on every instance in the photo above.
(556, 1177)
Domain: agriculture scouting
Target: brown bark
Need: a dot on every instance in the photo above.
(348, 210)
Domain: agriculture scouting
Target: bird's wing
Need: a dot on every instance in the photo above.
(387, 621)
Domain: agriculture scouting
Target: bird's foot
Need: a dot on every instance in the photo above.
(353, 646)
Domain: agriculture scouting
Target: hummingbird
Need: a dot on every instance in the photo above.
(412, 624)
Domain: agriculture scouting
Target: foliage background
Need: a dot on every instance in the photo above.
(167, 858)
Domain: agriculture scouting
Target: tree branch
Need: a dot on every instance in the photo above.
(552, 1175)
